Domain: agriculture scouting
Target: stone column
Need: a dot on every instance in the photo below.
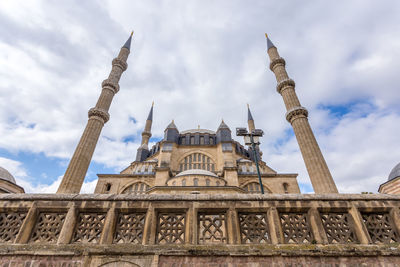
(98, 116)
(296, 115)
(68, 228)
(27, 226)
(274, 224)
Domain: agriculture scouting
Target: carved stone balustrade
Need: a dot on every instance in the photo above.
(89, 228)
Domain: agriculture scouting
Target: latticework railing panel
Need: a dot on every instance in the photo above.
(296, 228)
(212, 228)
(48, 227)
(10, 223)
(89, 227)
(254, 228)
(130, 228)
(338, 227)
(380, 227)
(171, 228)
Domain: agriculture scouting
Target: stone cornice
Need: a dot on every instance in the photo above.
(295, 112)
(275, 62)
(202, 197)
(283, 84)
(99, 113)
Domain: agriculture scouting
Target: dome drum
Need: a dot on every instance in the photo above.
(196, 178)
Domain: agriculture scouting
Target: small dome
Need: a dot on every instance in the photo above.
(395, 172)
(196, 172)
(5, 175)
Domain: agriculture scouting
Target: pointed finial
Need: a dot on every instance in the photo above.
(132, 33)
(152, 104)
(127, 44)
(150, 117)
(269, 43)
(249, 116)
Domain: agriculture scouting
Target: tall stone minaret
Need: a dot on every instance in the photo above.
(98, 116)
(143, 150)
(296, 115)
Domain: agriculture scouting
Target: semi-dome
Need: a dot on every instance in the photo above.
(395, 172)
(5, 175)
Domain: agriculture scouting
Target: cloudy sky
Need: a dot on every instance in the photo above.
(200, 61)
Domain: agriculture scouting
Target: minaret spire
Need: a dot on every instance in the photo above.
(98, 116)
(143, 150)
(250, 120)
(296, 115)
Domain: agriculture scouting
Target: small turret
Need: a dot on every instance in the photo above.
(171, 133)
(223, 133)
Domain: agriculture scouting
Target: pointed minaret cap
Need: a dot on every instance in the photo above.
(269, 43)
(172, 125)
(127, 44)
(223, 125)
(150, 117)
(249, 116)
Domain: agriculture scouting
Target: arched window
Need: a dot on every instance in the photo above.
(197, 161)
(207, 182)
(251, 169)
(150, 169)
(244, 169)
(286, 187)
(252, 188)
(183, 182)
(196, 182)
(107, 187)
(136, 189)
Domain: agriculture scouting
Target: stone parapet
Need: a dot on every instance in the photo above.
(277, 61)
(101, 113)
(120, 63)
(295, 112)
(107, 84)
(129, 227)
(284, 84)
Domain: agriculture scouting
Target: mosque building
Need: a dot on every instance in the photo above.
(199, 198)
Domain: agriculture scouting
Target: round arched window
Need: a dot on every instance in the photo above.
(197, 161)
(136, 189)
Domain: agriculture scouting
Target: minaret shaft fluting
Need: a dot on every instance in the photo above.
(296, 115)
(98, 116)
